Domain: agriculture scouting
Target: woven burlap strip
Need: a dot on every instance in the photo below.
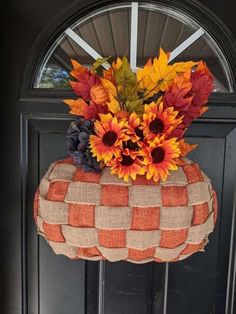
(198, 193)
(44, 187)
(210, 204)
(108, 178)
(83, 237)
(205, 177)
(174, 218)
(188, 161)
(169, 254)
(177, 178)
(53, 212)
(114, 254)
(182, 257)
(84, 193)
(64, 248)
(196, 234)
(143, 261)
(40, 224)
(144, 195)
(113, 217)
(90, 258)
(62, 172)
(50, 169)
(142, 239)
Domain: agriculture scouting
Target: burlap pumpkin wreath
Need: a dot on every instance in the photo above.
(127, 191)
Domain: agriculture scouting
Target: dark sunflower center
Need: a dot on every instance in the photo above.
(109, 138)
(126, 160)
(158, 155)
(156, 126)
(139, 133)
(131, 145)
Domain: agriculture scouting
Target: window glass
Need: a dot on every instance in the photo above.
(107, 31)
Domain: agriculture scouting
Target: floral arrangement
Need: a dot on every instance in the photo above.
(134, 122)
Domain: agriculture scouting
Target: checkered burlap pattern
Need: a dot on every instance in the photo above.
(98, 216)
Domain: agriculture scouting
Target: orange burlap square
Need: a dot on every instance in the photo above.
(81, 215)
(145, 218)
(201, 213)
(191, 248)
(114, 195)
(138, 255)
(173, 238)
(88, 251)
(159, 260)
(53, 232)
(112, 238)
(141, 180)
(83, 176)
(57, 191)
(174, 196)
(193, 173)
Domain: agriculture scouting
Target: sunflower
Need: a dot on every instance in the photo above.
(134, 131)
(110, 133)
(158, 121)
(127, 164)
(159, 157)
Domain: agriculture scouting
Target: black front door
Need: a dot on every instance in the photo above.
(34, 122)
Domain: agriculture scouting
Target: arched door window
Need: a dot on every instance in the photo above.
(136, 30)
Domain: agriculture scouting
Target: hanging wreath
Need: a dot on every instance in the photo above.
(127, 191)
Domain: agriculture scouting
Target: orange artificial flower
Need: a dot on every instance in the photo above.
(158, 121)
(98, 94)
(159, 157)
(134, 131)
(109, 137)
(127, 164)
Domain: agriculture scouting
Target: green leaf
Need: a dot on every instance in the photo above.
(99, 62)
(124, 76)
(135, 106)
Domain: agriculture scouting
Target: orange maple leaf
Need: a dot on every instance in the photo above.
(80, 108)
(77, 69)
(185, 148)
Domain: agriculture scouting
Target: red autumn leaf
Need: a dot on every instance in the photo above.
(85, 81)
(179, 131)
(202, 84)
(177, 93)
(188, 95)
(93, 110)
